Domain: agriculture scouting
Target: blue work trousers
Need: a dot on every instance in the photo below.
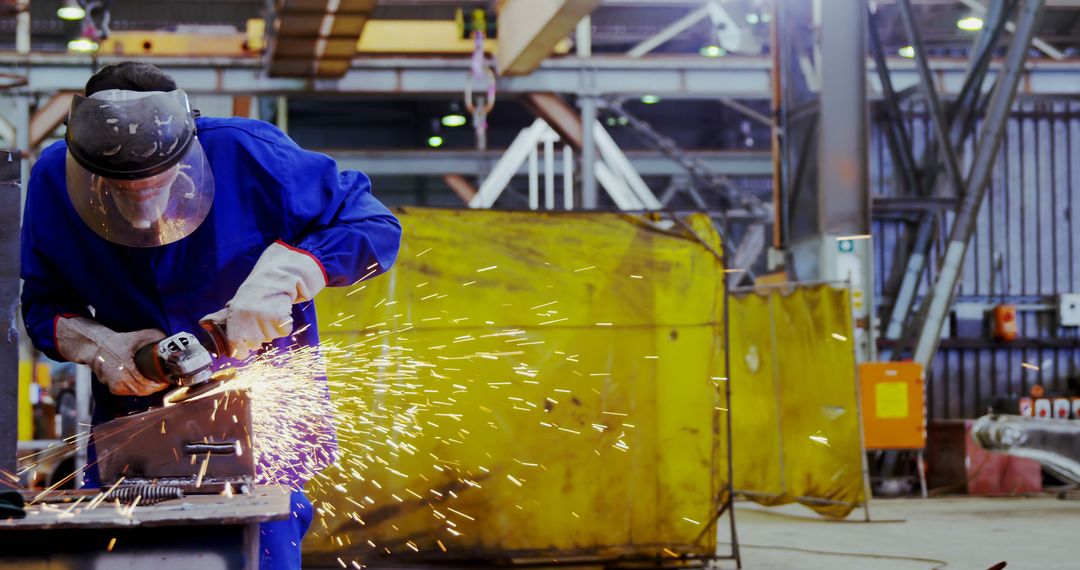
(279, 541)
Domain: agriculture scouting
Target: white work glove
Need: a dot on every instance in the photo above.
(111, 355)
(261, 310)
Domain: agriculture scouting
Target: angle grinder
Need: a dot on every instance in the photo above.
(185, 360)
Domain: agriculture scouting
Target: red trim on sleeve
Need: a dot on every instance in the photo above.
(326, 278)
(56, 320)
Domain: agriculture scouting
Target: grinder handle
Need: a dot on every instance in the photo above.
(148, 364)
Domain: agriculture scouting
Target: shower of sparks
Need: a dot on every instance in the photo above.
(839, 337)
(1029, 366)
(817, 437)
(406, 428)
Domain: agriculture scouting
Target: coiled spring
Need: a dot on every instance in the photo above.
(147, 494)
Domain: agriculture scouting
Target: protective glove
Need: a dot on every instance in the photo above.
(261, 310)
(111, 355)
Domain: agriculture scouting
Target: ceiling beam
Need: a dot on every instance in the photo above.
(743, 78)
(529, 30)
(49, 116)
(468, 162)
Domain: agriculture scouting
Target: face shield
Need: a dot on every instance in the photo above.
(136, 173)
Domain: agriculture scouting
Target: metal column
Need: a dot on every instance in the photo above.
(587, 102)
(843, 200)
(1001, 101)
(10, 209)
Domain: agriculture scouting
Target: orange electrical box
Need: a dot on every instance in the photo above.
(893, 405)
(1004, 322)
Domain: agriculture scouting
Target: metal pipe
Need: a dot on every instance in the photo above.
(727, 403)
(83, 395)
(534, 180)
(960, 127)
(671, 31)
(22, 28)
(587, 101)
(282, 117)
(9, 300)
(549, 171)
(568, 177)
(583, 37)
(589, 197)
(926, 85)
(895, 129)
(989, 141)
(906, 295)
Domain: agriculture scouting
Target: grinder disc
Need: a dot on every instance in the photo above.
(214, 384)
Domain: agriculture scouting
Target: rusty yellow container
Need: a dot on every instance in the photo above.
(528, 386)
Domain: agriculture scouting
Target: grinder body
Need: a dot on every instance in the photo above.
(183, 359)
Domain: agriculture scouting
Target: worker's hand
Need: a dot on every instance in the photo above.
(255, 316)
(111, 355)
(261, 310)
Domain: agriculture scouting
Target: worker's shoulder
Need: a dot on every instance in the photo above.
(52, 158)
(211, 128)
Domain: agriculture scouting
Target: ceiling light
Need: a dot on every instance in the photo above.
(434, 141)
(83, 45)
(752, 18)
(70, 10)
(970, 23)
(650, 99)
(453, 120)
(713, 51)
(906, 51)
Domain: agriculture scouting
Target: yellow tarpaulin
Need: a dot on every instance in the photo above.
(796, 418)
(529, 385)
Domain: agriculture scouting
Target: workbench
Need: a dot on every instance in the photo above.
(207, 532)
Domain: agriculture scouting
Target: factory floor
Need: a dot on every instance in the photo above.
(962, 533)
(913, 534)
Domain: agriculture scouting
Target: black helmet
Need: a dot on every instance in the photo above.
(130, 134)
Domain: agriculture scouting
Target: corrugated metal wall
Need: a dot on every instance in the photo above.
(1026, 250)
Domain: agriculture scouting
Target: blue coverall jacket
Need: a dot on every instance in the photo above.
(267, 189)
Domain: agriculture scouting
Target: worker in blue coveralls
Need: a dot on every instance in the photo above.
(148, 219)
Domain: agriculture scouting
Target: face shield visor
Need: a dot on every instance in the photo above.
(136, 173)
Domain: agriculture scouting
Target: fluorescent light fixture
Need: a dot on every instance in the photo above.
(70, 10)
(434, 141)
(970, 23)
(83, 45)
(713, 51)
(453, 120)
(753, 18)
(650, 99)
(907, 51)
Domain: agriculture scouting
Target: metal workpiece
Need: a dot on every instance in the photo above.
(206, 440)
(989, 142)
(1053, 443)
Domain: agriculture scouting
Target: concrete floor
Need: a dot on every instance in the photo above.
(964, 533)
(915, 534)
